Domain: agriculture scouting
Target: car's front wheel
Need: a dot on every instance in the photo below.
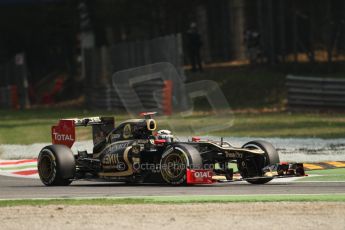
(251, 167)
(175, 161)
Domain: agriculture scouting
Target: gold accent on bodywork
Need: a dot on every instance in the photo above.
(241, 150)
(127, 131)
(128, 172)
(97, 155)
(148, 124)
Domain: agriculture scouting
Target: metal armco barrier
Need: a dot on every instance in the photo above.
(315, 93)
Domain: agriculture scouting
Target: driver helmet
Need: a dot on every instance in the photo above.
(165, 135)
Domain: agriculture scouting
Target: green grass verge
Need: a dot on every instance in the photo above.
(326, 175)
(179, 200)
(266, 125)
(33, 126)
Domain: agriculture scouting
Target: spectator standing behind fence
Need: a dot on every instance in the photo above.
(194, 45)
(252, 43)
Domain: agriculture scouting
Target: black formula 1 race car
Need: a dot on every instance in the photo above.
(134, 152)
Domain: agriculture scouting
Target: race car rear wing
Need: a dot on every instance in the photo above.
(64, 132)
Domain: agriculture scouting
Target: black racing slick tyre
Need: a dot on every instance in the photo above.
(251, 168)
(56, 165)
(175, 161)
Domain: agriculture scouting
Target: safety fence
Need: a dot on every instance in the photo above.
(155, 95)
(9, 97)
(101, 63)
(14, 83)
(315, 92)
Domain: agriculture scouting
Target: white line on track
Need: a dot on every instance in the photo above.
(168, 196)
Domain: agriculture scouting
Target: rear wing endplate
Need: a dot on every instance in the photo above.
(64, 132)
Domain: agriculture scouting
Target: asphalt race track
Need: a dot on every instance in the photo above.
(15, 188)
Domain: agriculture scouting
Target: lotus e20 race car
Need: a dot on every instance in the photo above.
(133, 152)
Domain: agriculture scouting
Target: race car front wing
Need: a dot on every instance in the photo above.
(281, 170)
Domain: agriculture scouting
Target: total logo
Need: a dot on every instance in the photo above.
(203, 174)
(63, 137)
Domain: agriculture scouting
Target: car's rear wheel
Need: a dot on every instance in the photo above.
(175, 161)
(251, 167)
(56, 165)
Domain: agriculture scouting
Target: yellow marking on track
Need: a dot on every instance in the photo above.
(336, 164)
(312, 166)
